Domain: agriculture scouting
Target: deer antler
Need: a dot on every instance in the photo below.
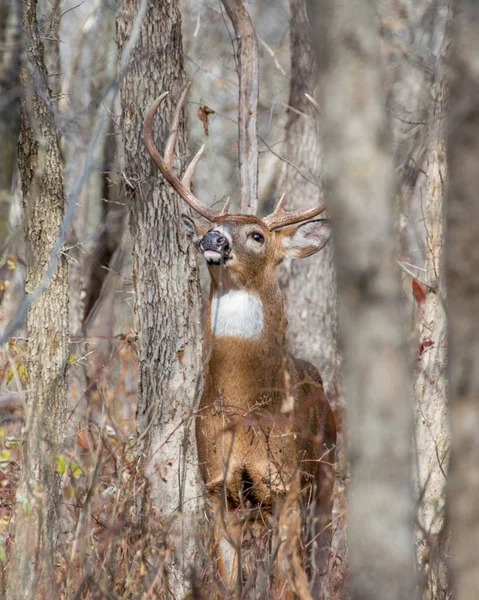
(280, 217)
(183, 187)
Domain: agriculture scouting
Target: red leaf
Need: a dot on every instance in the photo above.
(82, 439)
(418, 291)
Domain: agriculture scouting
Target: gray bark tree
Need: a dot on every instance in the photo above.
(430, 383)
(248, 73)
(414, 42)
(309, 285)
(359, 177)
(167, 295)
(32, 564)
(462, 245)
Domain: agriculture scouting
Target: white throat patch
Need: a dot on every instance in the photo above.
(237, 313)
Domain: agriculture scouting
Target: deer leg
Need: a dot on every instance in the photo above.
(228, 537)
(290, 576)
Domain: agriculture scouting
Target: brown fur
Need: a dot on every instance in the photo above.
(264, 421)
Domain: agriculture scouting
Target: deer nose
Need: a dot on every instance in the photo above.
(214, 240)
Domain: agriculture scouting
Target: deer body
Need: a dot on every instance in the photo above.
(247, 376)
(265, 432)
(263, 417)
(247, 447)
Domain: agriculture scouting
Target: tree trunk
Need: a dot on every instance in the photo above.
(463, 294)
(417, 106)
(166, 291)
(32, 562)
(430, 385)
(309, 285)
(248, 73)
(359, 180)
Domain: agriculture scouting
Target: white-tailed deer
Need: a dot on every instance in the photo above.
(265, 432)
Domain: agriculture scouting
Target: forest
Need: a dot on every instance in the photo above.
(271, 392)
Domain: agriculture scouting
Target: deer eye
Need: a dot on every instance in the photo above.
(258, 237)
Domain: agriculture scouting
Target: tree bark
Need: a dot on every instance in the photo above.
(167, 292)
(32, 562)
(359, 177)
(462, 246)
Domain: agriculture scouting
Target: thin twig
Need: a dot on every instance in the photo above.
(409, 272)
(273, 56)
(405, 120)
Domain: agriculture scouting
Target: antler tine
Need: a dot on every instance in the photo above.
(165, 166)
(175, 123)
(190, 171)
(281, 217)
(280, 206)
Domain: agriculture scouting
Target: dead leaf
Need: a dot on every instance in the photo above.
(82, 439)
(203, 114)
(418, 291)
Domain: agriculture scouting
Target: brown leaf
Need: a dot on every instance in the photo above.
(418, 291)
(82, 439)
(203, 114)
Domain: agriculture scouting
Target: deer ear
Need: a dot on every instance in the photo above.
(299, 241)
(195, 228)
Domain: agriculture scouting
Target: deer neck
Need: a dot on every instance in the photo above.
(245, 330)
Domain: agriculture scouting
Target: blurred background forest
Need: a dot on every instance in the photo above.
(100, 291)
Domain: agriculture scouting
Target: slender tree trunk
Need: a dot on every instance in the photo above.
(430, 385)
(166, 291)
(359, 180)
(463, 294)
(37, 522)
(248, 73)
(417, 99)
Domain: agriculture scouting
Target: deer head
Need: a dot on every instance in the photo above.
(245, 246)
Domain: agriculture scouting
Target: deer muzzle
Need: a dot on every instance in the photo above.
(215, 247)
